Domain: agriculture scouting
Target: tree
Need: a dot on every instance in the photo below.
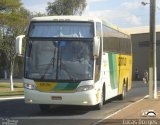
(6, 5)
(13, 21)
(66, 7)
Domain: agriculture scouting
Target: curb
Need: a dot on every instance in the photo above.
(107, 117)
(12, 98)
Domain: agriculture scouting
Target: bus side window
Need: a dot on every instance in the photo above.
(98, 60)
(98, 29)
(98, 65)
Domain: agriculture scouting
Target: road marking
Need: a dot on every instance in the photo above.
(12, 98)
(96, 123)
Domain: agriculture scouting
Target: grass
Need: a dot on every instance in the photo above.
(5, 89)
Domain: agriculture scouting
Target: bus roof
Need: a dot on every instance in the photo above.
(115, 27)
(65, 18)
(78, 18)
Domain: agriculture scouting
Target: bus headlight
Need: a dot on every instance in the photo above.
(29, 86)
(85, 88)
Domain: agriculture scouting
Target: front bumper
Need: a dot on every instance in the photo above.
(77, 98)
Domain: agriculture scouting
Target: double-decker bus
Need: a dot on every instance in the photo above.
(75, 60)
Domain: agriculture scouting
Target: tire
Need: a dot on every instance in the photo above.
(124, 92)
(100, 104)
(44, 107)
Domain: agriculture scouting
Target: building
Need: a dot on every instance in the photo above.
(140, 43)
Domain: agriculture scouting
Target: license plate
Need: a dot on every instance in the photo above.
(56, 98)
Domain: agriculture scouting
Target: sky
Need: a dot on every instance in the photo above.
(123, 13)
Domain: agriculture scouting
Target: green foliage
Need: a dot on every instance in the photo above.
(6, 5)
(37, 14)
(14, 20)
(6, 85)
(12, 93)
(66, 7)
(13, 24)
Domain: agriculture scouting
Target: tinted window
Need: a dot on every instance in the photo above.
(61, 29)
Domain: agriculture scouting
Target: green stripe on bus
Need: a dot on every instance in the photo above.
(65, 86)
(113, 70)
(60, 86)
(72, 86)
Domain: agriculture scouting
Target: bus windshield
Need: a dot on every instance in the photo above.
(61, 29)
(59, 60)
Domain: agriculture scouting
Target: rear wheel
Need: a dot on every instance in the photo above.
(124, 92)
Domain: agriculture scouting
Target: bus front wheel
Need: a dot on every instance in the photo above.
(100, 104)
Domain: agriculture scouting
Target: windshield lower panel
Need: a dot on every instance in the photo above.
(69, 60)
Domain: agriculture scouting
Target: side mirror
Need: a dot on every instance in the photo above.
(19, 40)
(96, 46)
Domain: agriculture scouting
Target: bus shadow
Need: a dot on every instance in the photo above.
(65, 110)
(18, 108)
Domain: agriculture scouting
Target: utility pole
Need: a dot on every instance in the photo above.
(152, 52)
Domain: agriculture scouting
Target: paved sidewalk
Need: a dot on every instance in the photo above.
(136, 113)
(140, 109)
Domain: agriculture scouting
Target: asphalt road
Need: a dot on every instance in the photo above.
(19, 113)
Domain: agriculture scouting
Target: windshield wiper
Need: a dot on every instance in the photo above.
(52, 61)
(48, 67)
